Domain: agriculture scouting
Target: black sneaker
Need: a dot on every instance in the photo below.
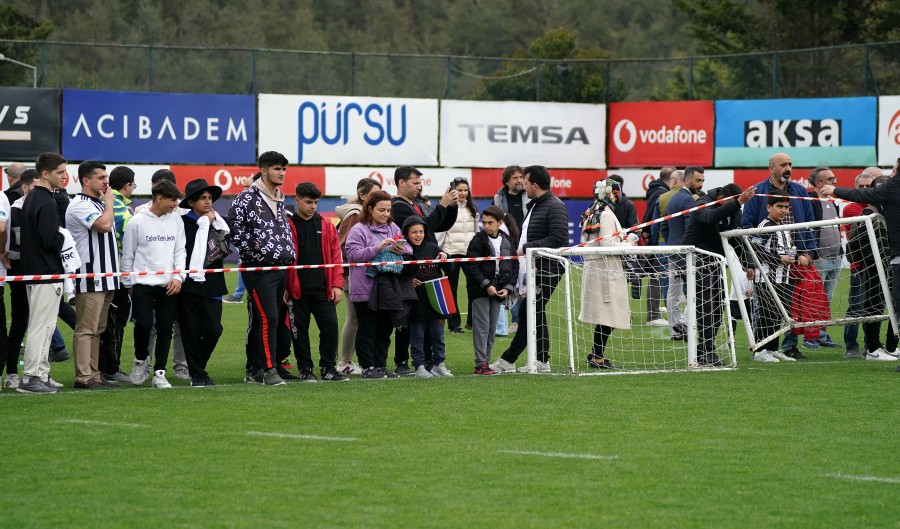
(596, 362)
(59, 355)
(710, 359)
(794, 353)
(255, 377)
(285, 374)
(306, 375)
(394, 374)
(209, 381)
(403, 369)
(331, 374)
(198, 382)
(35, 385)
(373, 373)
(272, 378)
(680, 338)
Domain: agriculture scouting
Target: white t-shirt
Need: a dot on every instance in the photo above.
(495, 243)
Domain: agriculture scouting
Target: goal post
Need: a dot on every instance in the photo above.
(778, 309)
(570, 291)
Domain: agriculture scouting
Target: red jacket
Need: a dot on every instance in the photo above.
(810, 302)
(331, 254)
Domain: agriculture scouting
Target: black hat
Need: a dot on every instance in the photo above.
(195, 188)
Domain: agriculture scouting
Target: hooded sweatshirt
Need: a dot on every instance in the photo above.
(153, 243)
(259, 227)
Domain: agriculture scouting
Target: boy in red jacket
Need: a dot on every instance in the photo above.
(314, 291)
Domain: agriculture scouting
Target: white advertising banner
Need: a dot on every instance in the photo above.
(345, 130)
(888, 130)
(341, 181)
(498, 134)
(637, 180)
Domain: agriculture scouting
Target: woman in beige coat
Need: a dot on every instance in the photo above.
(604, 292)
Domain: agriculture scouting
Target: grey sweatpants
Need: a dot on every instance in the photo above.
(485, 312)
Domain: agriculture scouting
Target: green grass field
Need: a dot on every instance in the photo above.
(808, 444)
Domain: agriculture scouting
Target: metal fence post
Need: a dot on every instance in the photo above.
(353, 73)
(865, 69)
(537, 81)
(774, 74)
(149, 68)
(691, 78)
(43, 61)
(448, 84)
(608, 80)
(253, 87)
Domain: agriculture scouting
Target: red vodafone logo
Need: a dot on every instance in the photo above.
(654, 134)
(894, 128)
(625, 135)
(646, 181)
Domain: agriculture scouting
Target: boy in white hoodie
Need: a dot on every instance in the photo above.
(154, 240)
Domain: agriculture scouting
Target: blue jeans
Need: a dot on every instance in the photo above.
(435, 330)
(56, 341)
(515, 311)
(830, 270)
(240, 289)
(855, 303)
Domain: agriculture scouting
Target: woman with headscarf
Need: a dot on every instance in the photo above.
(604, 291)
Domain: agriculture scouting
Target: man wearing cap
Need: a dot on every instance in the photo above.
(200, 301)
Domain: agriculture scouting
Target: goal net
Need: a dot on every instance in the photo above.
(847, 283)
(576, 295)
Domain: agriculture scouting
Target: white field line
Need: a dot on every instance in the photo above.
(558, 454)
(301, 436)
(101, 423)
(863, 478)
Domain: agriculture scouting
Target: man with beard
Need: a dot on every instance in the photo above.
(780, 166)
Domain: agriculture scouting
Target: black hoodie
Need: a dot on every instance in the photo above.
(424, 272)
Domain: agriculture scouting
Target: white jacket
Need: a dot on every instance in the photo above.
(153, 243)
(455, 241)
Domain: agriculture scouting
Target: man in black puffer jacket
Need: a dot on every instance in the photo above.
(545, 226)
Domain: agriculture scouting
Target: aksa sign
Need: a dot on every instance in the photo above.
(170, 128)
(661, 133)
(839, 131)
(888, 130)
(497, 134)
(29, 122)
(349, 130)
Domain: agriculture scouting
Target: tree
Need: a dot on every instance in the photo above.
(555, 74)
(18, 25)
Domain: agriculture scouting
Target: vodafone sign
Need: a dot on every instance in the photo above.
(888, 130)
(661, 133)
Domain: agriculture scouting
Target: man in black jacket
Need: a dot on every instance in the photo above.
(440, 219)
(41, 246)
(703, 233)
(545, 226)
(887, 196)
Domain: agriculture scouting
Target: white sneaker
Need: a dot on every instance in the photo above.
(895, 353)
(52, 383)
(441, 370)
(781, 356)
(764, 356)
(181, 373)
(422, 372)
(139, 371)
(159, 380)
(878, 355)
(502, 366)
(664, 310)
(12, 381)
(658, 322)
(349, 368)
(542, 367)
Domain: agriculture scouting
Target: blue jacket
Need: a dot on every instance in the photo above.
(755, 212)
(681, 201)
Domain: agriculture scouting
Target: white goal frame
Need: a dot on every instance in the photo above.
(744, 234)
(565, 289)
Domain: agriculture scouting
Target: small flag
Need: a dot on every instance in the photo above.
(440, 295)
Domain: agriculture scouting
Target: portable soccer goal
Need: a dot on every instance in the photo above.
(570, 291)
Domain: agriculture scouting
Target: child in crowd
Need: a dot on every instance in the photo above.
(489, 283)
(777, 254)
(423, 319)
(154, 240)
